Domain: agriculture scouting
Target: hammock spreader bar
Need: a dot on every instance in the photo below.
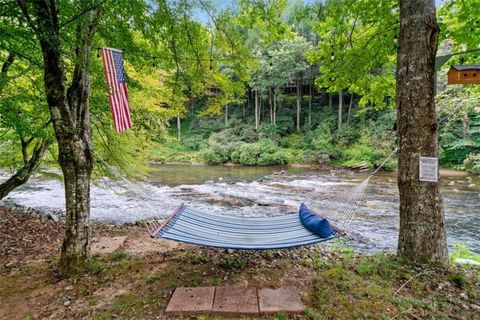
(212, 230)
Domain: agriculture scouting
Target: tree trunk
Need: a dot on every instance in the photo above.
(270, 98)
(24, 173)
(349, 109)
(179, 129)
(340, 109)
(226, 115)
(299, 102)
(260, 105)
(70, 116)
(275, 107)
(310, 108)
(330, 100)
(422, 237)
(256, 110)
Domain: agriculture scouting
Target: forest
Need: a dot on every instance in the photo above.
(255, 83)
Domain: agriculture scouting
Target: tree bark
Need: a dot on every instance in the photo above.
(179, 129)
(310, 108)
(226, 115)
(260, 105)
(270, 98)
(340, 109)
(256, 110)
(274, 107)
(422, 237)
(330, 100)
(70, 116)
(24, 173)
(349, 109)
(299, 102)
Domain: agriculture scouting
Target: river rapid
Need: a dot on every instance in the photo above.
(266, 191)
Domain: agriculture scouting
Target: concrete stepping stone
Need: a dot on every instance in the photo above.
(286, 299)
(191, 301)
(235, 301)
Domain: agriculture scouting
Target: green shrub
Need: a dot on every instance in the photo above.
(322, 137)
(249, 154)
(261, 153)
(248, 134)
(472, 163)
(360, 153)
(214, 155)
(315, 156)
(225, 136)
(194, 142)
(281, 157)
(270, 131)
(295, 141)
(235, 156)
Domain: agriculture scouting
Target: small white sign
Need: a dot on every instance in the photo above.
(428, 169)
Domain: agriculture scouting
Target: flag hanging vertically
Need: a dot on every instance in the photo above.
(117, 87)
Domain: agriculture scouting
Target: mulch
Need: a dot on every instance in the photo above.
(25, 237)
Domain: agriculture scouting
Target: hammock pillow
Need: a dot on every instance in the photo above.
(315, 223)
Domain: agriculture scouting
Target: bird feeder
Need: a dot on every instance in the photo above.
(468, 74)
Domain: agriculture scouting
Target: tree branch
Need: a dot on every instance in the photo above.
(24, 9)
(83, 12)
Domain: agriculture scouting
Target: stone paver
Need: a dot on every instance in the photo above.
(191, 301)
(283, 299)
(107, 245)
(235, 301)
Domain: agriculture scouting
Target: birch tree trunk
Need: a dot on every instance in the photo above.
(260, 105)
(226, 115)
(179, 129)
(70, 117)
(275, 107)
(270, 98)
(422, 237)
(349, 109)
(256, 110)
(340, 109)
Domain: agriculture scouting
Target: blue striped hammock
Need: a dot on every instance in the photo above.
(212, 230)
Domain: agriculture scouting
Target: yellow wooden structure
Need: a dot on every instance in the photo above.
(468, 74)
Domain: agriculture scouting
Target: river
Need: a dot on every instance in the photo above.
(267, 191)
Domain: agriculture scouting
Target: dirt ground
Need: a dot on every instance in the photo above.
(132, 276)
(128, 269)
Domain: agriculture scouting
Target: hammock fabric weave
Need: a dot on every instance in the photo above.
(212, 230)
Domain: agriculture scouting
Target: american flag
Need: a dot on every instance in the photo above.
(117, 87)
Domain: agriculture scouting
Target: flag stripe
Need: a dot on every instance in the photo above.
(113, 97)
(110, 90)
(118, 94)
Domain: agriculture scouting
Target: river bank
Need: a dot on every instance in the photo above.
(137, 279)
(265, 191)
